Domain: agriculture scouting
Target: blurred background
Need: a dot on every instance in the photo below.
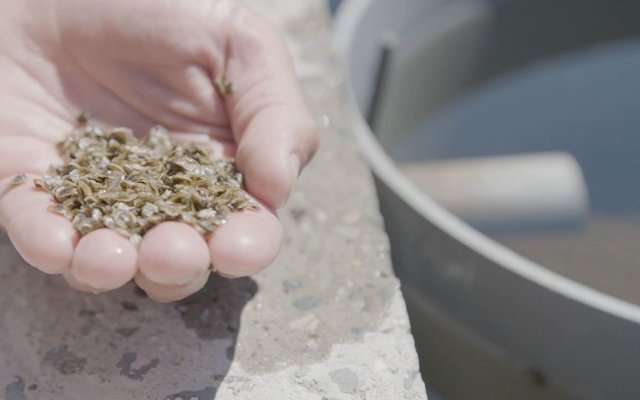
(504, 138)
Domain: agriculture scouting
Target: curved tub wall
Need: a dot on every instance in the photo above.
(577, 337)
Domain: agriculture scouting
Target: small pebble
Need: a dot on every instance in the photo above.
(346, 379)
(289, 285)
(305, 303)
(308, 323)
(351, 218)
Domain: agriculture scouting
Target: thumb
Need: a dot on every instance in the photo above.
(274, 130)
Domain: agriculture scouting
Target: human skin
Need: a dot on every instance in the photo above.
(139, 63)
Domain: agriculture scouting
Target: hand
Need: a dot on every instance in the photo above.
(139, 63)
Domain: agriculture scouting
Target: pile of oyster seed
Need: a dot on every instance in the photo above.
(111, 179)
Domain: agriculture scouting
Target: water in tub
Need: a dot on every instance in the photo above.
(586, 103)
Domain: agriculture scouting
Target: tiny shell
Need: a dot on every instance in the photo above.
(18, 179)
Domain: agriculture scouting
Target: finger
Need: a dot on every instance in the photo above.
(26, 155)
(167, 293)
(275, 132)
(71, 281)
(104, 260)
(173, 253)
(246, 244)
(44, 239)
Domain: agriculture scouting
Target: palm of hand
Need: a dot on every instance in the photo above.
(138, 64)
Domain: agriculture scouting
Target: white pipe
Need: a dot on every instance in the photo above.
(513, 193)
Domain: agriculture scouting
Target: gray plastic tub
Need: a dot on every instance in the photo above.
(404, 60)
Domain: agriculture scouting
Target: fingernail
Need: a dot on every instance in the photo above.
(222, 274)
(227, 276)
(294, 171)
(294, 165)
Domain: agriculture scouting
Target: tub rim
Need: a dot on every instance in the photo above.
(346, 20)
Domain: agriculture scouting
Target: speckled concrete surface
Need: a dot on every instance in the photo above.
(327, 321)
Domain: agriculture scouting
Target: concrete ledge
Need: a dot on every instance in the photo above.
(327, 321)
